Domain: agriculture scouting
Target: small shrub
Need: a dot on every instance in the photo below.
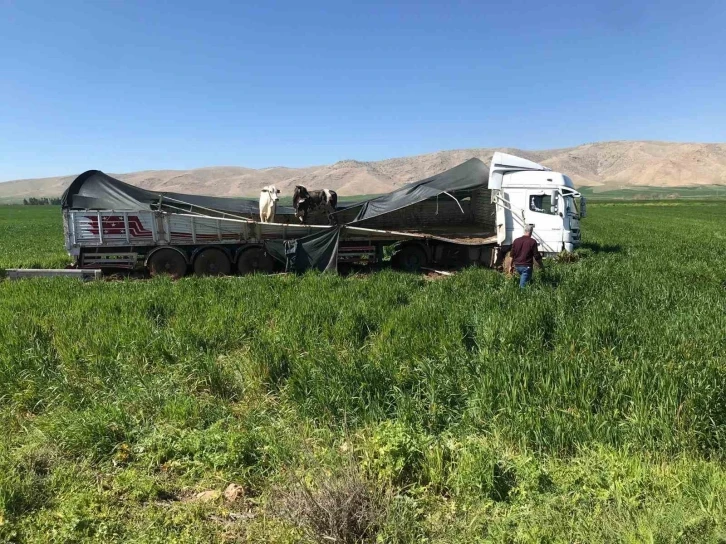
(567, 257)
(394, 454)
(339, 507)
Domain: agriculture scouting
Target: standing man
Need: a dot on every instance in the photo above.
(524, 253)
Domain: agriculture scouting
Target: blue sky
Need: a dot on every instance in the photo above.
(132, 85)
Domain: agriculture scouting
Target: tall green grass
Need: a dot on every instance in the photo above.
(31, 237)
(589, 407)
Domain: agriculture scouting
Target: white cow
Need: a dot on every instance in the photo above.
(268, 203)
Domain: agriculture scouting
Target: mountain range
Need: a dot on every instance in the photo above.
(601, 166)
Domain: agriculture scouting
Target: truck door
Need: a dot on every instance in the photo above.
(543, 211)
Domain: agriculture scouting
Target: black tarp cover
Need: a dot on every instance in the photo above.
(98, 191)
(468, 175)
(318, 250)
(94, 190)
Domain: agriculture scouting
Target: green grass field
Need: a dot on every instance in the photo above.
(31, 237)
(385, 407)
(655, 193)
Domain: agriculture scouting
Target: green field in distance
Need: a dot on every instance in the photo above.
(655, 193)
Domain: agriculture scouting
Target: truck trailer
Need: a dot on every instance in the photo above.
(469, 214)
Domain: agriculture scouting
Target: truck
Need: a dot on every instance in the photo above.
(469, 214)
(529, 193)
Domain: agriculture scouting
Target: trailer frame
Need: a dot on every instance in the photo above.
(123, 239)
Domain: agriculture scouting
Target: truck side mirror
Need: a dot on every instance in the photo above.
(583, 206)
(554, 201)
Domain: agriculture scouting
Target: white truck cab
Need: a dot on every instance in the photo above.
(528, 193)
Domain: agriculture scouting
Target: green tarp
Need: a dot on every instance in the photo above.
(94, 190)
(468, 175)
(318, 251)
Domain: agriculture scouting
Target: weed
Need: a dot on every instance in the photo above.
(337, 506)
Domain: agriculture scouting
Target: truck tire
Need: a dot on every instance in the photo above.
(212, 262)
(254, 260)
(410, 258)
(167, 262)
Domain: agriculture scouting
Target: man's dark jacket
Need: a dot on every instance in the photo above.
(525, 252)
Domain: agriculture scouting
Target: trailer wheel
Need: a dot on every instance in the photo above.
(254, 260)
(410, 258)
(167, 262)
(212, 262)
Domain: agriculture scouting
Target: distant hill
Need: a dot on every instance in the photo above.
(602, 166)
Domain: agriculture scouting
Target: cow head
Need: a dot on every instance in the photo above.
(272, 191)
(299, 195)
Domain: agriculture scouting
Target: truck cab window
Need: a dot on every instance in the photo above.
(541, 204)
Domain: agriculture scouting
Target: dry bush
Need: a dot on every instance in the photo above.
(565, 257)
(339, 507)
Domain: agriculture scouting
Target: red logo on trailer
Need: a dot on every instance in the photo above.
(114, 225)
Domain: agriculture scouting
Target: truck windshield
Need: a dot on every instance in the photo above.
(571, 206)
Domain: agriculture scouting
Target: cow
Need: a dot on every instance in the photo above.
(268, 203)
(305, 201)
